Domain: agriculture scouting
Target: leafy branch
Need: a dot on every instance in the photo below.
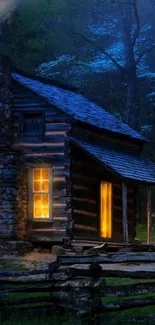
(119, 66)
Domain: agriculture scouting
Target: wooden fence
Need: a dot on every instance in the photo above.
(79, 284)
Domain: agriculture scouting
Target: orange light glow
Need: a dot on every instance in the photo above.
(41, 193)
(106, 210)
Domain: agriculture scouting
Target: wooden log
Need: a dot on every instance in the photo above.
(74, 272)
(57, 127)
(26, 301)
(56, 118)
(99, 287)
(27, 289)
(78, 284)
(129, 290)
(84, 212)
(83, 228)
(85, 219)
(85, 206)
(22, 273)
(147, 319)
(127, 304)
(128, 257)
(56, 149)
(23, 282)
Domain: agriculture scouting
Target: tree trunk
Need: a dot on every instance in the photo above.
(131, 114)
(127, 23)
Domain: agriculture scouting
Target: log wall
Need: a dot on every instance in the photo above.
(86, 175)
(50, 151)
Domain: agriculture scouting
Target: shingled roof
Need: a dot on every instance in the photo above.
(78, 107)
(125, 165)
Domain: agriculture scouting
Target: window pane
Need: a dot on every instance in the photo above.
(37, 174)
(45, 173)
(37, 186)
(37, 213)
(45, 213)
(37, 200)
(45, 200)
(45, 186)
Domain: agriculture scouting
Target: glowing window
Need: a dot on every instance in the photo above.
(106, 210)
(41, 186)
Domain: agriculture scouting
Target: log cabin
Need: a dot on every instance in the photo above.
(68, 168)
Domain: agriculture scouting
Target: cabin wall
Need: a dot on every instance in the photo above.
(52, 151)
(112, 140)
(86, 175)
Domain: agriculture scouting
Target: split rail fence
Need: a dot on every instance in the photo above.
(79, 284)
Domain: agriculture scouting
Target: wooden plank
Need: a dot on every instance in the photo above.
(148, 215)
(125, 219)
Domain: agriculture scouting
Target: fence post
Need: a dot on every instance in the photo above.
(94, 300)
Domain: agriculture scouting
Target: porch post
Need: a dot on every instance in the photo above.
(148, 215)
(125, 218)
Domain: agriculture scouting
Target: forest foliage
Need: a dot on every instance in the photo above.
(104, 48)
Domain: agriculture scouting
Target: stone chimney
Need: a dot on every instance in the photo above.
(9, 167)
(5, 102)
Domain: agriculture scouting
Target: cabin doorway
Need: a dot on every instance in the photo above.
(106, 210)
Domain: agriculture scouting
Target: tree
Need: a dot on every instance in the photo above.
(131, 29)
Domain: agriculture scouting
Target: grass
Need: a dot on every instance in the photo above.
(24, 318)
(142, 233)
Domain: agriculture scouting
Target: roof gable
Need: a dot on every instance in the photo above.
(79, 107)
(126, 165)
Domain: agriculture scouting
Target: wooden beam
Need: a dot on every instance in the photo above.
(148, 215)
(125, 218)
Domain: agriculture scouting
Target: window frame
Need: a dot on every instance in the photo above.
(31, 193)
(21, 124)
